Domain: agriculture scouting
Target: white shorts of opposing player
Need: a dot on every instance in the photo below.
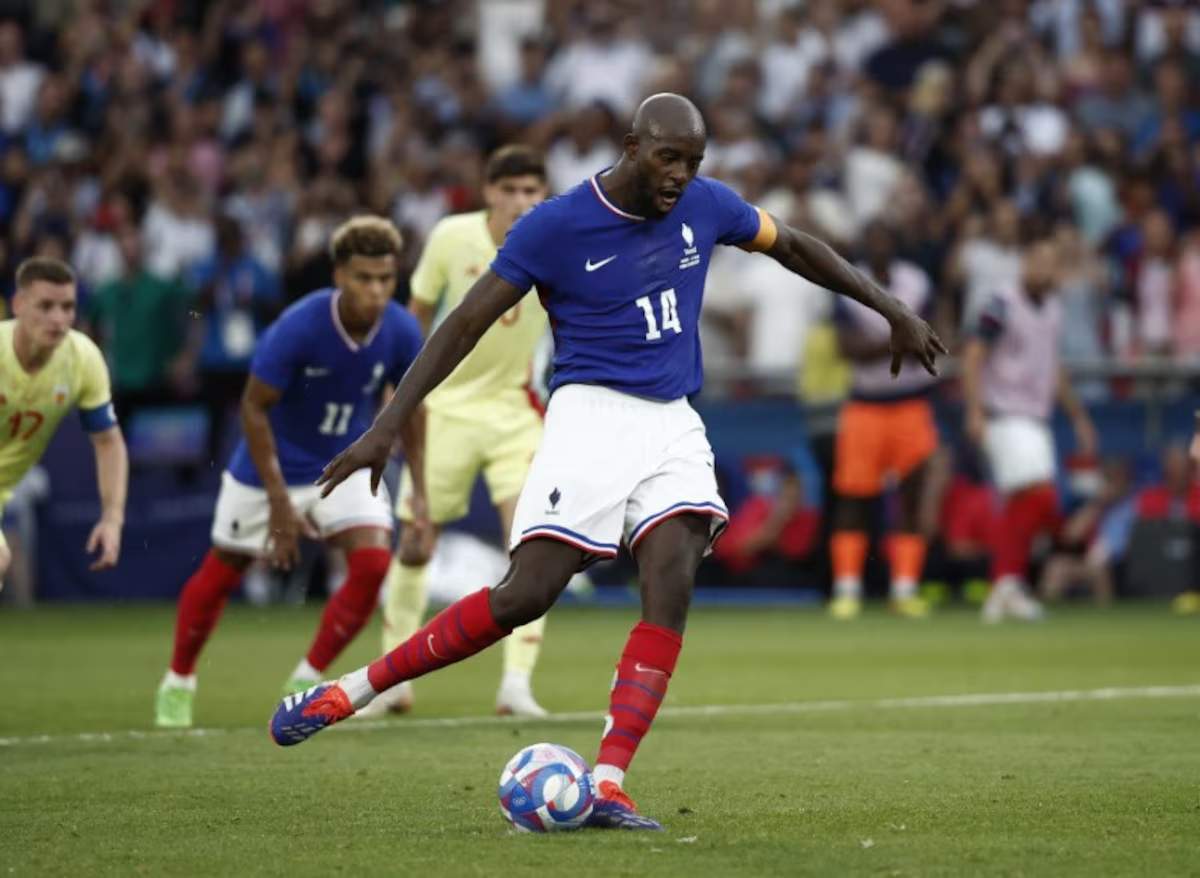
(613, 466)
(240, 523)
(1020, 454)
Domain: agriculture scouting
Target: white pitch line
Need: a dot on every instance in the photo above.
(983, 699)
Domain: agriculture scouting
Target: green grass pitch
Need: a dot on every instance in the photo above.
(842, 770)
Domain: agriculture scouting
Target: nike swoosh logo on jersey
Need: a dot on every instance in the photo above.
(592, 266)
(314, 372)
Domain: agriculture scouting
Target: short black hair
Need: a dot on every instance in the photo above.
(515, 160)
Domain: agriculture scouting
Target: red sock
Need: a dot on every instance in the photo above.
(351, 605)
(1026, 514)
(642, 675)
(457, 632)
(200, 605)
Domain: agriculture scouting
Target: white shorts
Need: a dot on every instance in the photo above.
(613, 466)
(240, 522)
(1020, 452)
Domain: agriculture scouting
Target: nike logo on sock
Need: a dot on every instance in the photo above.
(642, 669)
(429, 643)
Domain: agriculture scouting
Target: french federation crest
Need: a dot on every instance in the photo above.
(691, 256)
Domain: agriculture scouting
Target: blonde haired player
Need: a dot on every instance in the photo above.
(482, 418)
(46, 369)
(316, 381)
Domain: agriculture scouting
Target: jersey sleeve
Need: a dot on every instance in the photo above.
(523, 255)
(95, 388)
(740, 223)
(279, 353)
(429, 278)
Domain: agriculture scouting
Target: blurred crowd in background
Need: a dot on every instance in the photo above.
(190, 158)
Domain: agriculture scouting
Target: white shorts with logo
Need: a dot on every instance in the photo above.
(243, 511)
(613, 466)
(1020, 452)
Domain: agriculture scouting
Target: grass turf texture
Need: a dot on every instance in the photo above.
(1074, 788)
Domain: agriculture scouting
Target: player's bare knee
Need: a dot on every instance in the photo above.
(538, 574)
(5, 561)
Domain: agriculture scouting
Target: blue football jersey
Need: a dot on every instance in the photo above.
(332, 386)
(624, 293)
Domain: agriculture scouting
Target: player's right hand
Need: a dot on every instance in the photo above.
(286, 526)
(913, 337)
(370, 451)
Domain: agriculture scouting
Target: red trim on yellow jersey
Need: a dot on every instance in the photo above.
(767, 233)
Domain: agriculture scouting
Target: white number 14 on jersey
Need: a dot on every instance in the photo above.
(670, 315)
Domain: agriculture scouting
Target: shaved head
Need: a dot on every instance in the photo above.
(663, 152)
(668, 116)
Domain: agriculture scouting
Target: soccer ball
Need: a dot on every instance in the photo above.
(546, 788)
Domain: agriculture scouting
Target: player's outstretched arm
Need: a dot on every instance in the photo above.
(815, 260)
(112, 479)
(487, 301)
(285, 525)
(858, 348)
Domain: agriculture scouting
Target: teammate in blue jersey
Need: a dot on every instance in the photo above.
(619, 262)
(316, 382)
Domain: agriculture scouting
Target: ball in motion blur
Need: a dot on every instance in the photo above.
(546, 788)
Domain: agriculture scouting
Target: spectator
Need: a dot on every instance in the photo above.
(773, 525)
(872, 167)
(1093, 541)
(236, 297)
(138, 321)
(989, 257)
(177, 228)
(583, 147)
(1118, 104)
(1171, 106)
(20, 80)
(1177, 496)
(608, 63)
(528, 100)
(959, 517)
(1084, 294)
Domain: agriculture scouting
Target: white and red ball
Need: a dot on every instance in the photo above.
(546, 788)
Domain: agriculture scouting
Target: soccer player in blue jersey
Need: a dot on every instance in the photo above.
(316, 381)
(619, 262)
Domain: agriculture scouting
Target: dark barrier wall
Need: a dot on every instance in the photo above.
(166, 529)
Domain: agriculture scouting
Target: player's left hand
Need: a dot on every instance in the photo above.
(913, 337)
(370, 451)
(105, 539)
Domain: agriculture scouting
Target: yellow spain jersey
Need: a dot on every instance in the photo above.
(460, 249)
(32, 406)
